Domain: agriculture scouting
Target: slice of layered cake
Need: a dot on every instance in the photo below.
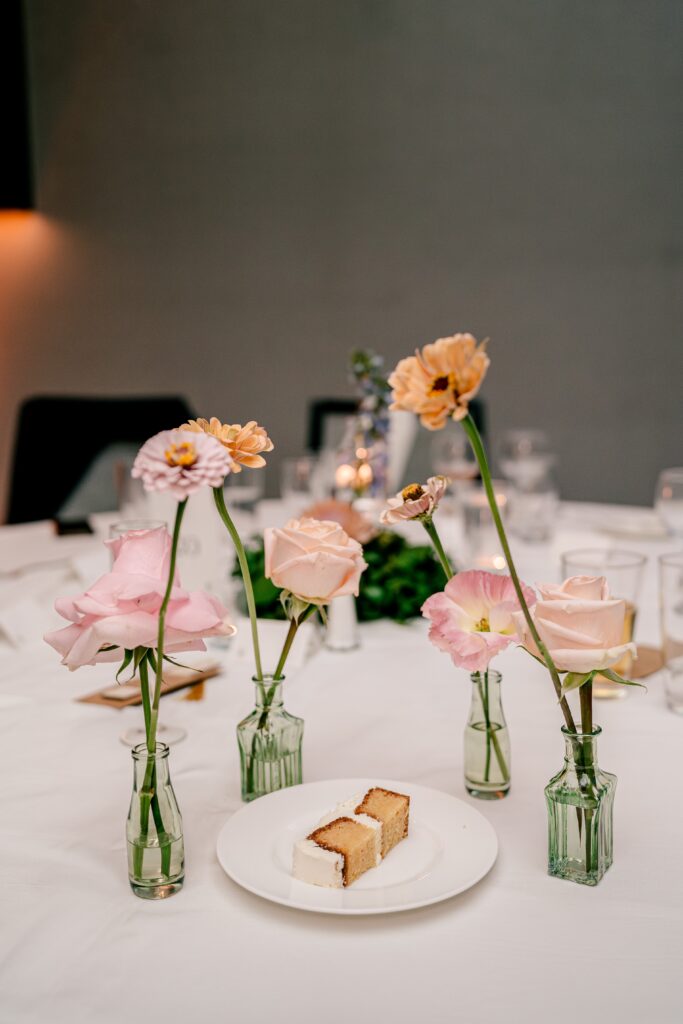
(391, 810)
(352, 839)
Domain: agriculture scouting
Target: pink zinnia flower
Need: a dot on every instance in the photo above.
(472, 620)
(181, 463)
(415, 501)
(121, 610)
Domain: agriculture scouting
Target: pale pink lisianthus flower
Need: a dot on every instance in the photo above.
(313, 559)
(416, 501)
(472, 619)
(181, 462)
(121, 610)
(579, 623)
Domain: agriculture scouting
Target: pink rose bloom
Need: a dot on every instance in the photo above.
(180, 462)
(315, 560)
(579, 623)
(415, 501)
(473, 618)
(121, 610)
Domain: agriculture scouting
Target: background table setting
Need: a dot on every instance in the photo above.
(76, 946)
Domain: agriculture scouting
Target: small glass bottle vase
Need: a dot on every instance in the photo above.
(487, 742)
(270, 743)
(580, 799)
(154, 829)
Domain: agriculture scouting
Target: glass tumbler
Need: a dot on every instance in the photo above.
(623, 571)
(671, 617)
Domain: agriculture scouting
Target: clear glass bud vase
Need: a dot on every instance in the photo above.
(487, 742)
(270, 743)
(580, 799)
(154, 829)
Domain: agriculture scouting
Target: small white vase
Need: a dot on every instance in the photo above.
(342, 624)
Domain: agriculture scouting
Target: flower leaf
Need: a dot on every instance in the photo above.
(573, 680)
(608, 673)
(127, 658)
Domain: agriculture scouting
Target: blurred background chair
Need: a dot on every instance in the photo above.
(67, 450)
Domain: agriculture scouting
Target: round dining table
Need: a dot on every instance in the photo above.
(77, 946)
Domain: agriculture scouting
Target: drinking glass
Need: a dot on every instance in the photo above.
(669, 500)
(623, 571)
(452, 455)
(671, 614)
(133, 526)
(300, 481)
(527, 463)
(245, 489)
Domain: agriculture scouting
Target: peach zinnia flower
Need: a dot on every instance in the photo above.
(439, 382)
(415, 501)
(244, 443)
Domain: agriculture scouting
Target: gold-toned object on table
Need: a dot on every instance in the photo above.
(128, 694)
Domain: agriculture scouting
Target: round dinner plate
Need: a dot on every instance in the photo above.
(450, 847)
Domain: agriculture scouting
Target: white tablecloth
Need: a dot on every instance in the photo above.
(76, 945)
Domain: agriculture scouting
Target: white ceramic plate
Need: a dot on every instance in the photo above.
(450, 847)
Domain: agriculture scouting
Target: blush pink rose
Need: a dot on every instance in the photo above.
(472, 619)
(121, 610)
(579, 623)
(314, 559)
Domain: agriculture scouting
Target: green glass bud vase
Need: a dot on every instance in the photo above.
(270, 743)
(154, 829)
(580, 800)
(487, 741)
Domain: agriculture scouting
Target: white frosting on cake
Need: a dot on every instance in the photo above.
(312, 864)
(316, 866)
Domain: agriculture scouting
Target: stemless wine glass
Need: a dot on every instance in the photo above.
(136, 734)
(671, 612)
(299, 482)
(669, 500)
(527, 463)
(245, 489)
(452, 455)
(623, 571)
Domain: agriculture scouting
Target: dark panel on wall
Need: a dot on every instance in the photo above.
(16, 184)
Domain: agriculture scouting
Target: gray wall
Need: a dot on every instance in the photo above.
(237, 192)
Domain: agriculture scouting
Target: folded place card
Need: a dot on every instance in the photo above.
(126, 694)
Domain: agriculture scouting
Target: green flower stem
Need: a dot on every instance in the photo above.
(144, 690)
(286, 648)
(148, 796)
(154, 715)
(267, 696)
(491, 738)
(485, 702)
(246, 575)
(586, 703)
(429, 526)
(480, 455)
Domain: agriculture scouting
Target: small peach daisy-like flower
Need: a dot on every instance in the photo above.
(439, 382)
(416, 501)
(170, 461)
(244, 443)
